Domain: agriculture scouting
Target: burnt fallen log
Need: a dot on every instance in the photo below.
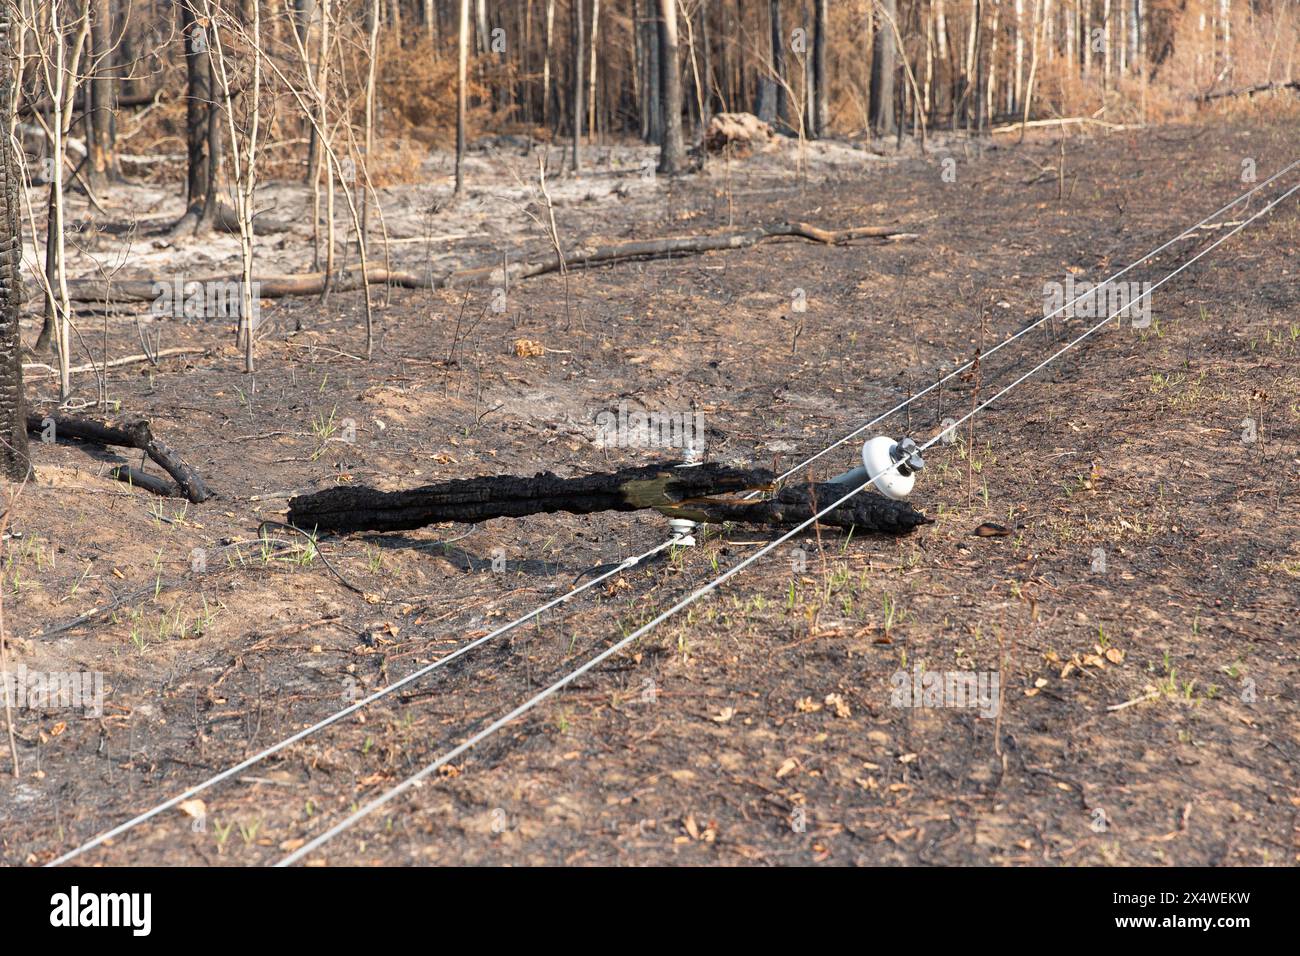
(673, 491)
(1249, 91)
(138, 479)
(127, 434)
(795, 504)
(146, 289)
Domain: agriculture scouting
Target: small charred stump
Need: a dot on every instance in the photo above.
(673, 491)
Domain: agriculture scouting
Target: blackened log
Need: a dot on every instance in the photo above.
(676, 492)
(129, 434)
(472, 500)
(794, 504)
(145, 289)
(138, 479)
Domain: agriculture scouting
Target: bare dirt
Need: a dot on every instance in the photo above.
(1148, 480)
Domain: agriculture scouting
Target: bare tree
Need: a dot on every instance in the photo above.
(60, 44)
(244, 162)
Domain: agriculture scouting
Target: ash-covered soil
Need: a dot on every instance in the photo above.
(1139, 618)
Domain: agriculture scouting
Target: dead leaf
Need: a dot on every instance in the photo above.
(990, 530)
(195, 808)
(724, 715)
(839, 705)
(787, 768)
(806, 705)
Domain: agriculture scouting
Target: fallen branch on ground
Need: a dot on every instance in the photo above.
(1065, 121)
(119, 362)
(312, 283)
(675, 492)
(1249, 90)
(136, 434)
(138, 479)
(100, 613)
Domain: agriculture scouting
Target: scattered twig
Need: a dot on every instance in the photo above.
(310, 537)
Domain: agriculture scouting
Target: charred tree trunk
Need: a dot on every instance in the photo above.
(883, 68)
(778, 65)
(576, 103)
(676, 492)
(14, 462)
(102, 166)
(672, 154)
(652, 76)
(202, 125)
(45, 340)
(820, 93)
(462, 65)
(196, 108)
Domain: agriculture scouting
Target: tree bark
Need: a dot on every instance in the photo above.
(576, 102)
(651, 45)
(102, 165)
(672, 155)
(778, 64)
(821, 93)
(882, 71)
(462, 65)
(198, 100)
(15, 465)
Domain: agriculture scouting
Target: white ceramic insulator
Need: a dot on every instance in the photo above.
(890, 482)
(683, 527)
